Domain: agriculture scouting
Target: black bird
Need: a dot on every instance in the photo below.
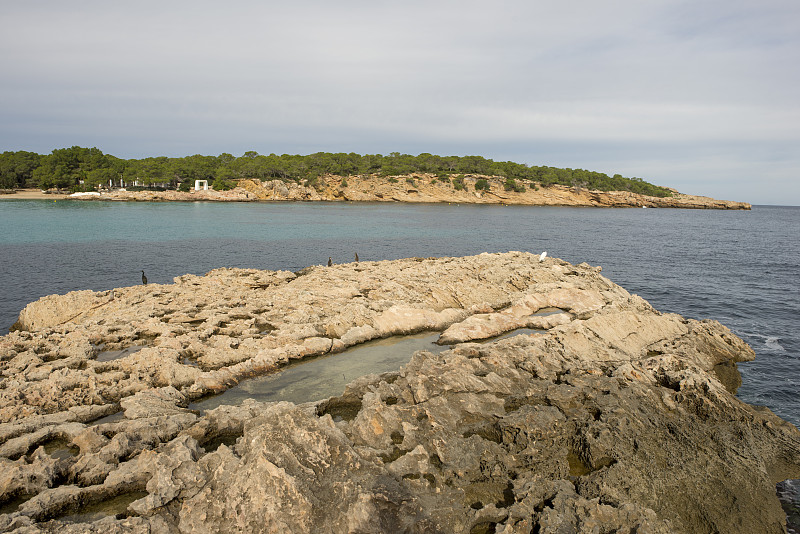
(330, 262)
(144, 279)
(356, 257)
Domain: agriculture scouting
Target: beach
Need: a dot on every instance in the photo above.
(32, 194)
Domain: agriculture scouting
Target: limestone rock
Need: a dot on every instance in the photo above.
(611, 417)
(155, 403)
(426, 188)
(57, 309)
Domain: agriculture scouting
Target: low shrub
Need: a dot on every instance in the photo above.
(221, 184)
(512, 185)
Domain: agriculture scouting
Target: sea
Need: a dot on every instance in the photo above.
(741, 268)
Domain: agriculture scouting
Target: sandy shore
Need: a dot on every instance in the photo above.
(33, 194)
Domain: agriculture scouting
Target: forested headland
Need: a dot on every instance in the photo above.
(89, 169)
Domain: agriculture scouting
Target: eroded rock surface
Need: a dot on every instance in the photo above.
(611, 417)
(422, 187)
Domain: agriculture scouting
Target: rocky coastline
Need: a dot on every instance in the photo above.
(422, 188)
(610, 417)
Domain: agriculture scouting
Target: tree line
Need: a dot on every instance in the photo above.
(87, 169)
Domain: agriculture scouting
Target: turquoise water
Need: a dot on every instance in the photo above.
(741, 268)
(40, 222)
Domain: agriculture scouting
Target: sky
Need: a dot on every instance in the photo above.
(699, 95)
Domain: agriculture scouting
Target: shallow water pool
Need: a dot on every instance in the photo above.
(326, 376)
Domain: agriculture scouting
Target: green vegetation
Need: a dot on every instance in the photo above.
(512, 185)
(78, 168)
(482, 184)
(221, 184)
(16, 169)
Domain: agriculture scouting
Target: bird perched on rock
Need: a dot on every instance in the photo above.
(542, 256)
(356, 257)
(144, 279)
(330, 262)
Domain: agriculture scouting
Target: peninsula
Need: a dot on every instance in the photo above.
(603, 415)
(322, 176)
(423, 188)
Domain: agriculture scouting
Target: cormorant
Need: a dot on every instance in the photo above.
(330, 262)
(356, 257)
(144, 279)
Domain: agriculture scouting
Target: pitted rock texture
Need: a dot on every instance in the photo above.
(612, 418)
(202, 334)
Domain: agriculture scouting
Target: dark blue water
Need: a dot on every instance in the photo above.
(741, 268)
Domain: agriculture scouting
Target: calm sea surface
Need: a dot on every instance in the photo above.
(741, 268)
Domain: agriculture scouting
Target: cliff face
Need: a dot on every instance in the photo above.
(610, 417)
(427, 188)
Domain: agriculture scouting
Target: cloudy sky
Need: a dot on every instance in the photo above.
(700, 95)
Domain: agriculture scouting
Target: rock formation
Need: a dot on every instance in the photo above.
(610, 417)
(426, 188)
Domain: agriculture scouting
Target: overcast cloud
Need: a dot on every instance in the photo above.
(699, 95)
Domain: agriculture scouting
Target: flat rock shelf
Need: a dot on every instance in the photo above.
(601, 415)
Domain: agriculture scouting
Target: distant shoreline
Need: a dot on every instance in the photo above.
(417, 188)
(33, 194)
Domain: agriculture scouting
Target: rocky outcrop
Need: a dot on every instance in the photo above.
(234, 195)
(609, 417)
(427, 188)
